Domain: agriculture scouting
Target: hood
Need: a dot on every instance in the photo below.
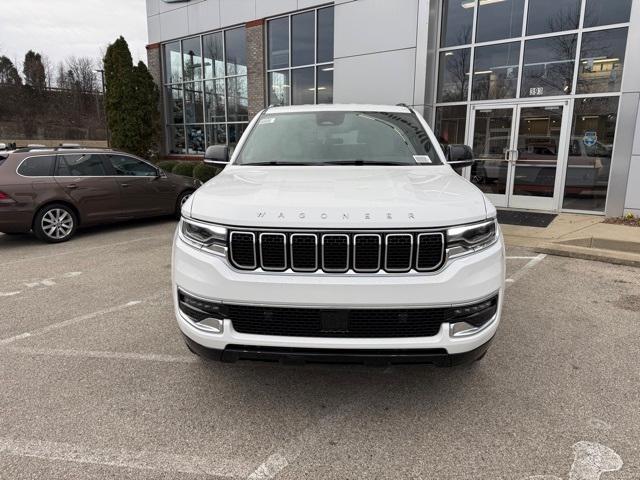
(338, 197)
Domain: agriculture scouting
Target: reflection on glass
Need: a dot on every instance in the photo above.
(606, 12)
(214, 95)
(216, 134)
(172, 62)
(325, 35)
(457, 22)
(548, 66)
(237, 99)
(235, 133)
(175, 134)
(602, 61)
(499, 20)
(538, 143)
(302, 88)
(235, 42)
(453, 77)
(590, 147)
(325, 84)
(193, 102)
(278, 42)
(175, 107)
(546, 16)
(495, 71)
(279, 88)
(450, 124)
(192, 59)
(303, 34)
(195, 139)
(213, 56)
(491, 139)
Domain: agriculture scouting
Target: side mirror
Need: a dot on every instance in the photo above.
(217, 155)
(459, 156)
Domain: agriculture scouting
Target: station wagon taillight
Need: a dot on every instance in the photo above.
(5, 198)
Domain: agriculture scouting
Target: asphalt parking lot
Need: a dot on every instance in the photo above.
(96, 381)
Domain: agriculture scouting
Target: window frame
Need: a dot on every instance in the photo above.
(169, 125)
(290, 68)
(52, 167)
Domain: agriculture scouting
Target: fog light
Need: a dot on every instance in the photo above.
(462, 329)
(470, 319)
(215, 324)
(203, 314)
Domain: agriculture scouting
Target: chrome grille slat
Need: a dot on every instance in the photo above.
(338, 252)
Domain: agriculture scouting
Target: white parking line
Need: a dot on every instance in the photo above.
(145, 357)
(141, 460)
(88, 249)
(523, 271)
(71, 321)
(590, 461)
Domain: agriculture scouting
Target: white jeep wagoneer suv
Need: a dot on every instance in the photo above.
(339, 233)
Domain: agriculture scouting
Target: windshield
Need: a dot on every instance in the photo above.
(338, 138)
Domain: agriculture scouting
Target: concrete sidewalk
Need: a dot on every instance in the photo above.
(580, 236)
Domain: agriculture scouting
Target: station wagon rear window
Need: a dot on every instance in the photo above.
(41, 166)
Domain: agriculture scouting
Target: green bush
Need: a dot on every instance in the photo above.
(184, 168)
(167, 165)
(204, 172)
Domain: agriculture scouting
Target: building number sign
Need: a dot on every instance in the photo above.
(536, 91)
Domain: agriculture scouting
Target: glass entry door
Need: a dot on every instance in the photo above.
(520, 151)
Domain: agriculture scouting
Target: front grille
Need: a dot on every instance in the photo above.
(338, 252)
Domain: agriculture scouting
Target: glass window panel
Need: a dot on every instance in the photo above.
(453, 77)
(491, 136)
(81, 165)
(235, 133)
(193, 102)
(538, 150)
(172, 63)
(325, 84)
(236, 50)
(216, 134)
(548, 66)
(602, 61)
(451, 124)
(214, 97)
(457, 22)
(278, 39)
(195, 139)
(546, 16)
(237, 99)
(498, 20)
(175, 107)
(131, 167)
(175, 135)
(495, 71)
(303, 34)
(606, 12)
(192, 59)
(590, 148)
(213, 55)
(325, 35)
(279, 88)
(303, 88)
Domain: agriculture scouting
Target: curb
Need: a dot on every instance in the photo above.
(590, 253)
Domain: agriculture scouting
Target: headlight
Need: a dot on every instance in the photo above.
(471, 238)
(206, 236)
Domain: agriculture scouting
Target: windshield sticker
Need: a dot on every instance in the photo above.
(422, 159)
(267, 120)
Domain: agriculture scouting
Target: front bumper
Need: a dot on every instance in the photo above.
(463, 280)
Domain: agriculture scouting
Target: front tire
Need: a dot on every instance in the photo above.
(55, 223)
(182, 198)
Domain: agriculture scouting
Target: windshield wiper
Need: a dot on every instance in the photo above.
(276, 163)
(364, 162)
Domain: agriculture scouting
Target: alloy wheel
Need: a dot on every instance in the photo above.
(57, 223)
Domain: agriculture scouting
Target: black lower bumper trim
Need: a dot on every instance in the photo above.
(434, 356)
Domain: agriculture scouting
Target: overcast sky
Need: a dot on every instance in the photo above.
(61, 28)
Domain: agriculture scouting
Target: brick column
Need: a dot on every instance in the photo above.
(255, 66)
(154, 64)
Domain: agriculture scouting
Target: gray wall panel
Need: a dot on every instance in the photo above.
(174, 24)
(204, 16)
(267, 8)
(385, 77)
(237, 11)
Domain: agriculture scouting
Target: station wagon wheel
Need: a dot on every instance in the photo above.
(184, 196)
(55, 223)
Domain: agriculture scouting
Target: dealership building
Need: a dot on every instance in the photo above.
(545, 91)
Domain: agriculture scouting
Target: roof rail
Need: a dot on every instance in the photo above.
(55, 149)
